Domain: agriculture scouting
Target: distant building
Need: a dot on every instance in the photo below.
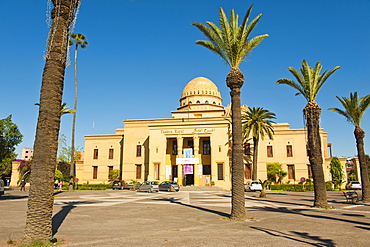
(192, 147)
(27, 153)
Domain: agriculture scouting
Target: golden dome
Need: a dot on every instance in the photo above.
(200, 86)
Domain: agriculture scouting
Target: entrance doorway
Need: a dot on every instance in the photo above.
(188, 174)
(189, 179)
(174, 173)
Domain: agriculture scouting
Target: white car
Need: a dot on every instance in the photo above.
(353, 185)
(2, 187)
(253, 186)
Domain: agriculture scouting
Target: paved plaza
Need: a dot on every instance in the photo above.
(192, 217)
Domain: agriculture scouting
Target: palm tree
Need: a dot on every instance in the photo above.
(231, 42)
(257, 122)
(309, 83)
(40, 200)
(354, 110)
(79, 40)
(64, 109)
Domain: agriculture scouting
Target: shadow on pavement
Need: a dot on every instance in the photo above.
(59, 217)
(317, 240)
(173, 200)
(301, 212)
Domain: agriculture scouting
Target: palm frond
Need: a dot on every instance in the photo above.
(309, 80)
(354, 108)
(231, 40)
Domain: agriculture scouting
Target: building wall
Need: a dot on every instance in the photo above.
(101, 162)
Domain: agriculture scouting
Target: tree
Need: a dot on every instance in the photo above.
(24, 170)
(354, 110)
(114, 175)
(78, 40)
(309, 83)
(58, 176)
(336, 171)
(231, 42)
(257, 122)
(64, 154)
(275, 171)
(40, 200)
(10, 137)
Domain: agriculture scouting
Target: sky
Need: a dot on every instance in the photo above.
(142, 53)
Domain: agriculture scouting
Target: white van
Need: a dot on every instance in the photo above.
(1, 187)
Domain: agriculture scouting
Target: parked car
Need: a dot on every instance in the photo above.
(253, 186)
(169, 186)
(2, 187)
(131, 185)
(150, 186)
(353, 185)
(118, 185)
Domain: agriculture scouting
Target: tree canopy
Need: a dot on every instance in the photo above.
(10, 137)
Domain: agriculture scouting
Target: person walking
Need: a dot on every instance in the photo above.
(60, 185)
(23, 185)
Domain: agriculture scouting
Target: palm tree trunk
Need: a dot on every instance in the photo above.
(312, 113)
(40, 200)
(235, 80)
(72, 172)
(360, 135)
(255, 155)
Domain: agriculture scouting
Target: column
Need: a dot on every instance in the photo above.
(196, 155)
(180, 142)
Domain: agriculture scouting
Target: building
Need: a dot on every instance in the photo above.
(192, 147)
(27, 153)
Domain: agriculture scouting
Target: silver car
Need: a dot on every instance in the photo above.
(2, 187)
(149, 186)
(169, 186)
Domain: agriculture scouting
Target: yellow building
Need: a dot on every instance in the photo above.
(191, 147)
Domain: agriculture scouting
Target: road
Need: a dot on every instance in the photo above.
(192, 218)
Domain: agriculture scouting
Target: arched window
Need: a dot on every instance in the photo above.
(198, 102)
(206, 102)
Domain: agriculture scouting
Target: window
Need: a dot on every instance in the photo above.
(174, 147)
(26, 157)
(270, 152)
(309, 170)
(96, 154)
(95, 172)
(111, 152)
(138, 171)
(156, 171)
(190, 144)
(26, 152)
(291, 172)
(138, 150)
(110, 168)
(289, 151)
(206, 169)
(247, 149)
(206, 147)
(220, 171)
(247, 171)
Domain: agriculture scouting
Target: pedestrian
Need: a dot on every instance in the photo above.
(23, 185)
(60, 185)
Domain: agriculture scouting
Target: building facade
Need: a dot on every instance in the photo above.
(192, 147)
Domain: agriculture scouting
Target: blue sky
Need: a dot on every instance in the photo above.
(142, 54)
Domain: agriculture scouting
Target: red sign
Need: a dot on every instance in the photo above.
(76, 180)
(303, 179)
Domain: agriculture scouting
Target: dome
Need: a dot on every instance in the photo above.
(200, 86)
(202, 94)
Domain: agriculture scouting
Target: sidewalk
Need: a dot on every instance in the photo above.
(161, 219)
